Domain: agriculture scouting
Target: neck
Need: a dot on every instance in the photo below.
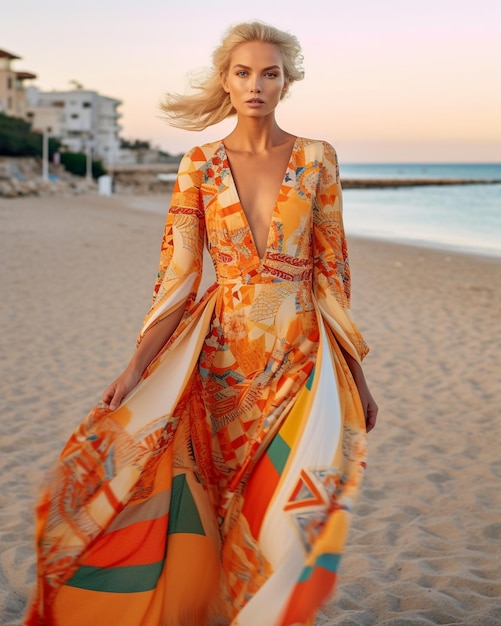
(255, 135)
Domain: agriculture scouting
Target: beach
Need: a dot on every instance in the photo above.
(425, 542)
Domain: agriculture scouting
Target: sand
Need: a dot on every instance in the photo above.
(425, 544)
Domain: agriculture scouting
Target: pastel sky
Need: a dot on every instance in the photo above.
(386, 80)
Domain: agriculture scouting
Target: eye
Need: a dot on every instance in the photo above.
(241, 73)
(271, 75)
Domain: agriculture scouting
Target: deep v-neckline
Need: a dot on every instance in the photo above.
(234, 189)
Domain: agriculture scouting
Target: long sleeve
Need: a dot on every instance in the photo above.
(181, 256)
(331, 275)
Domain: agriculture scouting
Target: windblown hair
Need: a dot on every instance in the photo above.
(210, 103)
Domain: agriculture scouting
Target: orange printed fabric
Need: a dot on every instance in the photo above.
(219, 492)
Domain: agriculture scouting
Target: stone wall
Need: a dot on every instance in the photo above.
(23, 177)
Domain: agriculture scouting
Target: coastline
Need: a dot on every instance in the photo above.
(394, 183)
(426, 245)
(77, 279)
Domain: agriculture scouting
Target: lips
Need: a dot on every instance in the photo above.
(255, 101)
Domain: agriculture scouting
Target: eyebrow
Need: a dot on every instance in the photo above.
(265, 69)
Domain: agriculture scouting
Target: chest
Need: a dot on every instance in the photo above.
(258, 180)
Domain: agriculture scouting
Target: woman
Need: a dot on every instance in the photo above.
(213, 486)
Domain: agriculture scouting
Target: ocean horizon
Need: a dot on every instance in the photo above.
(465, 218)
(419, 171)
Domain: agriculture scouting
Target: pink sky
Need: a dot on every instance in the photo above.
(392, 80)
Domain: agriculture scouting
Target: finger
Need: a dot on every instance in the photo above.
(370, 421)
(108, 394)
(115, 401)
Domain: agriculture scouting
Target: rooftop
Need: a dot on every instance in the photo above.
(7, 55)
(25, 75)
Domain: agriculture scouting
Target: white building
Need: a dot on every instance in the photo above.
(12, 87)
(80, 119)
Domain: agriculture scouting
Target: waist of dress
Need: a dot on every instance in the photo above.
(261, 280)
(279, 268)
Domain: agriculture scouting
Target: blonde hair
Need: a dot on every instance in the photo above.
(211, 104)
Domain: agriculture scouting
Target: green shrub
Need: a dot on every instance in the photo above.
(76, 163)
(98, 169)
(18, 140)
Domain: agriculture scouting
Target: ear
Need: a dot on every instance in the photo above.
(285, 89)
(224, 81)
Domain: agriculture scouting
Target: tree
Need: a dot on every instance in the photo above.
(137, 144)
(18, 140)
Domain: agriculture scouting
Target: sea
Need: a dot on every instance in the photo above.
(465, 218)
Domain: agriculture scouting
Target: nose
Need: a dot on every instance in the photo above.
(256, 86)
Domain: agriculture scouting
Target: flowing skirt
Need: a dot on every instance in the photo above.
(219, 492)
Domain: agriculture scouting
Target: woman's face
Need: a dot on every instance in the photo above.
(255, 80)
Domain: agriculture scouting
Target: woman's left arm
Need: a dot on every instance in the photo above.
(332, 278)
(368, 403)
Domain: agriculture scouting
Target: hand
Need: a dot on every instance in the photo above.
(118, 389)
(369, 405)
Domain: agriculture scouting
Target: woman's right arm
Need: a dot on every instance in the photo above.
(178, 277)
(151, 344)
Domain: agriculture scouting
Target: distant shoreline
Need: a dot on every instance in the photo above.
(382, 183)
(167, 172)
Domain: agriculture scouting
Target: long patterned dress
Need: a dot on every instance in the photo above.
(219, 491)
